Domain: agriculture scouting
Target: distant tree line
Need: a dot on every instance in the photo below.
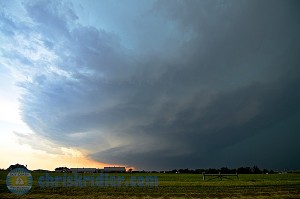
(224, 170)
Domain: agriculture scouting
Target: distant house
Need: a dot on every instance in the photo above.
(114, 170)
(62, 170)
(11, 167)
(83, 170)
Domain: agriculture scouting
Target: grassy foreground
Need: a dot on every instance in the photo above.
(174, 186)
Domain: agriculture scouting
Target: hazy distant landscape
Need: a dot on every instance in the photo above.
(260, 186)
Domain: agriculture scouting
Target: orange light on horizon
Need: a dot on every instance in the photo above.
(35, 159)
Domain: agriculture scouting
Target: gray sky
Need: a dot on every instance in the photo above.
(159, 84)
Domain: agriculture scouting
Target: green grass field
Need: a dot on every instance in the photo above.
(175, 186)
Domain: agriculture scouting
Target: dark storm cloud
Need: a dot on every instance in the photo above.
(195, 135)
(203, 80)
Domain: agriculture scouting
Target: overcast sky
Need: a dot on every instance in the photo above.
(156, 84)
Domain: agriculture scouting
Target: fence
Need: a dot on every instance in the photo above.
(219, 176)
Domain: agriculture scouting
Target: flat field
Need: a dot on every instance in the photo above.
(171, 186)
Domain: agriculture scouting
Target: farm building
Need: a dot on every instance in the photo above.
(114, 169)
(83, 170)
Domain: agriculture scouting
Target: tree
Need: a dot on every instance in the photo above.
(256, 170)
